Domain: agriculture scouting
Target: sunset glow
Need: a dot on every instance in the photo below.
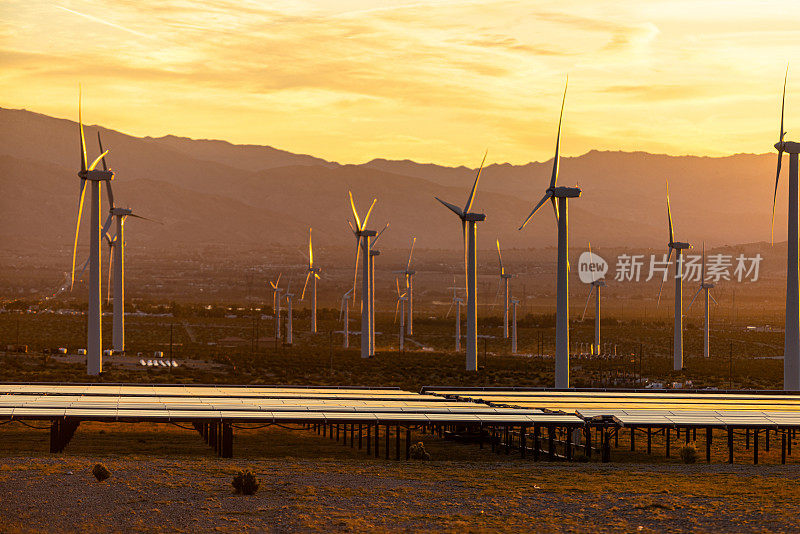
(430, 81)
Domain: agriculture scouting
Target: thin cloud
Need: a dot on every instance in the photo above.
(107, 23)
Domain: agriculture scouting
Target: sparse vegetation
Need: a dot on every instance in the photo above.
(245, 483)
(100, 472)
(417, 452)
(688, 453)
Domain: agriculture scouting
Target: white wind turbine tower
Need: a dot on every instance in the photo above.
(289, 296)
(373, 252)
(469, 230)
(514, 304)
(363, 237)
(409, 274)
(401, 307)
(457, 302)
(276, 304)
(678, 247)
(116, 247)
(505, 282)
(94, 342)
(311, 271)
(344, 312)
(791, 343)
(561, 193)
(595, 286)
(705, 286)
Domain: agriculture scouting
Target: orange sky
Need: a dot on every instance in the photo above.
(432, 81)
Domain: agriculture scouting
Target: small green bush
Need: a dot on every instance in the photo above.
(688, 453)
(418, 452)
(245, 483)
(100, 472)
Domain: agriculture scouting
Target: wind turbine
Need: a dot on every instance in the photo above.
(560, 209)
(705, 286)
(514, 303)
(116, 247)
(363, 237)
(401, 306)
(311, 271)
(289, 296)
(504, 281)
(409, 274)
(791, 343)
(276, 304)
(595, 284)
(373, 252)
(457, 302)
(94, 342)
(678, 247)
(469, 222)
(345, 312)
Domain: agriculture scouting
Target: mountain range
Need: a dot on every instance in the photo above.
(215, 192)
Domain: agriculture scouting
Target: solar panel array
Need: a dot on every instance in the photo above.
(259, 404)
(639, 408)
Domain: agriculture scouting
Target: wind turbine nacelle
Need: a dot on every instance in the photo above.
(374, 252)
(599, 283)
(678, 245)
(96, 175)
(474, 217)
(315, 270)
(121, 212)
(368, 233)
(504, 275)
(706, 285)
(567, 192)
(792, 147)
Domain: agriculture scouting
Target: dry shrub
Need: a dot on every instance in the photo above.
(688, 454)
(245, 483)
(418, 452)
(100, 472)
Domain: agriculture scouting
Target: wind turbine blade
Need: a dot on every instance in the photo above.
(80, 128)
(557, 157)
(781, 134)
(396, 309)
(107, 225)
(694, 297)
(500, 257)
(143, 218)
(351, 226)
(97, 160)
(110, 264)
(712, 298)
(589, 296)
(591, 259)
(450, 309)
(109, 192)
(408, 265)
(546, 196)
(466, 261)
(355, 274)
(77, 230)
(703, 276)
(669, 218)
(310, 254)
(452, 207)
(353, 206)
(555, 207)
(366, 217)
(661, 287)
(471, 197)
(278, 281)
(303, 294)
(375, 239)
(397, 285)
